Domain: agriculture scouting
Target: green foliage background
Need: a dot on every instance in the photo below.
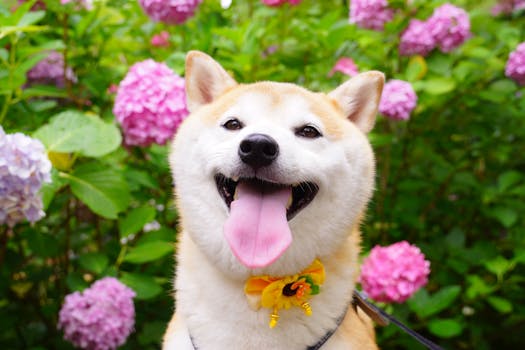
(450, 180)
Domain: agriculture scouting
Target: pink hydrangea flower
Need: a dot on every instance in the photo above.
(150, 103)
(370, 14)
(39, 5)
(394, 273)
(515, 68)
(161, 39)
(398, 100)
(50, 71)
(170, 11)
(450, 27)
(280, 2)
(346, 66)
(86, 4)
(24, 168)
(101, 317)
(506, 7)
(416, 39)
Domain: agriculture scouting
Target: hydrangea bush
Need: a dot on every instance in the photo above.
(96, 89)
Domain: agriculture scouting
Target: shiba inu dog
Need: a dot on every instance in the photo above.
(271, 183)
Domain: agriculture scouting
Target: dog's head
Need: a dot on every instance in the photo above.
(268, 175)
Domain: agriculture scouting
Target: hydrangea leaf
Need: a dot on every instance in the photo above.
(144, 285)
(149, 252)
(135, 220)
(77, 132)
(95, 262)
(445, 328)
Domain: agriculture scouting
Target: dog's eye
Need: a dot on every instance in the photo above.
(233, 124)
(308, 132)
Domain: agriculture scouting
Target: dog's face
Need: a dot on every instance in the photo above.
(270, 176)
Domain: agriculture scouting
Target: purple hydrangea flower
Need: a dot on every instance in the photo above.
(275, 3)
(450, 27)
(416, 39)
(24, 167)
(50, 71)
(398, 100)
(370, 14)
(150, 103)
(515, 68)
(100, 318)
(506, 7)
(170, 11)
(394, 273)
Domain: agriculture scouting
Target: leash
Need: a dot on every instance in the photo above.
(377, 314)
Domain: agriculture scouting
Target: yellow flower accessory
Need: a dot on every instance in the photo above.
(284, 292)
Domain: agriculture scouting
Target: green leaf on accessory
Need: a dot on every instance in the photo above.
(102, 189)
(439, 86)
(135, 220)
(148, 252)
(144, 285)
(94, 262)
(73, 131)
(499, 304)
(506, 216)
(445, 328)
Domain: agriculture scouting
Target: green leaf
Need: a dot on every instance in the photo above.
(103, 190)
(75, 282)
(43, 245)
(94, 262)
(144, 285)
(477, 287)
(50, 189)
(73, 131)
(445, 328)
(499, 266)
(505, 215)
(425, 305)
(439, 86)
(135, 220)
(508, 179)
(31, 17)
(499, 304)
(148, 252)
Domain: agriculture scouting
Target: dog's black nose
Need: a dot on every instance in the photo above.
(258, 150)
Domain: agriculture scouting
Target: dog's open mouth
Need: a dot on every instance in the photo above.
(257, 227)
(302, 193)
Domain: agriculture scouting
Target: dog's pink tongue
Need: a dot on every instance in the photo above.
(257, 229)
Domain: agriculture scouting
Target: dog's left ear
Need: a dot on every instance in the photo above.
(359, 98)
(205, 80)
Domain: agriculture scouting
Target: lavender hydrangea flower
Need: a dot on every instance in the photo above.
(50, 71)
(450, 27)
(150, 103)
(515, 68)
(100, 318)
(506, 7)
(170, 11)
(370, 14)
(24, 167)
(398, 100)
(275, 3)
(416, 39)
(394, 273)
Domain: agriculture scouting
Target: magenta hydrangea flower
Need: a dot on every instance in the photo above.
(450, 27)
(394, 273)
(170, 11)
(346, 66)
(416, 39)
(275, 3)
(398, 100)
(50, 71)
(161, 39)
(24, 167)
(101, 317)
(506, 7)
(150, 103)
(515, 68)
(370, 14)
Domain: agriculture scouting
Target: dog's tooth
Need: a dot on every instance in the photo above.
(235, 195)
(289, 204)
(235, 178)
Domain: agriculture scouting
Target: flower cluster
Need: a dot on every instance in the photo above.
(507, 7)
(170, 11)
(101, 317)
(447, 29)
(24, 167)
(50, 71)
(398, 100)
(150, 103)
(85, 4)
(515, 68)
(161, 39)
(370, 14)
(346, 66)
(280, 2)
(394, 273)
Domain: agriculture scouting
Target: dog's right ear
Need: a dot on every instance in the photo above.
(205, 80)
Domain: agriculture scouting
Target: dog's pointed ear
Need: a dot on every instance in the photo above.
(205, 80)
(359, 98)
